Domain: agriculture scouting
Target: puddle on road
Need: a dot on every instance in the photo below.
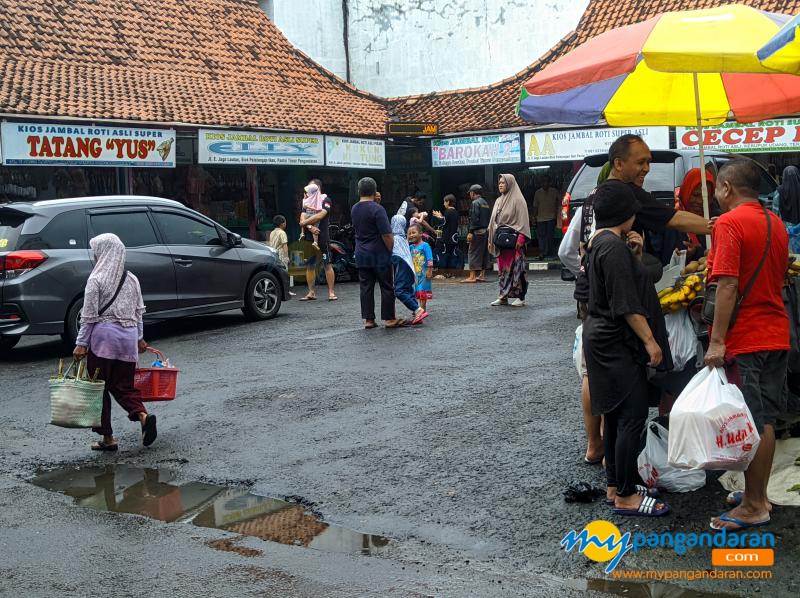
(148, 492)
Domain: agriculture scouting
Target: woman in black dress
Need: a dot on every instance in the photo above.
(623, 335)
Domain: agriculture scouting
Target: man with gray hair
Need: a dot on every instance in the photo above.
(374, 244)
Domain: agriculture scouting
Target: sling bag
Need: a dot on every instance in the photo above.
(116, 294)
(710, 300)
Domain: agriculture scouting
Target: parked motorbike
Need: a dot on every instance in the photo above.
(342, 252)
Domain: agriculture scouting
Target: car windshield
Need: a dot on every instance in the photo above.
(661, 178)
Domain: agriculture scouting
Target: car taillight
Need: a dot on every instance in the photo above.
(565, 212)
(17, 263)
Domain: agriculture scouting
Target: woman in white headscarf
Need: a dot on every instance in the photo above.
(404, 276)
(111, 336)
(510, 212)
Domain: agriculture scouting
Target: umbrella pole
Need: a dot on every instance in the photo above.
(703, 185)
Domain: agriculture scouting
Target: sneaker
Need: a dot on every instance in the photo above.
(499, 301)
(516, 302)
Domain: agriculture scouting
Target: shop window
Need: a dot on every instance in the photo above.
(133, 228)
(180, 230)
(65, 231)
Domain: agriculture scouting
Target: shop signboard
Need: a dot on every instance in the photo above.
(576, 144)
(259, 147)
(781, 135)
(58, 144)
(349, 152)
(484, 149)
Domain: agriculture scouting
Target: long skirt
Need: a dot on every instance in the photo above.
(513, 282)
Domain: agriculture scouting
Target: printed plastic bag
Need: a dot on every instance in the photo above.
(711, 426)
(577, 351)
(682, 340)
(657, 472)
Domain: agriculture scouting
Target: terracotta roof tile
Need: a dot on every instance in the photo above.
(492, 107)
(206, 62)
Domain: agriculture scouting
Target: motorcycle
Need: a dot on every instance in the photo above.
(342, 251)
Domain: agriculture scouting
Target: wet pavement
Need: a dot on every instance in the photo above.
(454, 440)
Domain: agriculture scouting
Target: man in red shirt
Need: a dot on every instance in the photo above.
(755, 348)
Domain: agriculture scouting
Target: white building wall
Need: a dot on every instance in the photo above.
(417, 46)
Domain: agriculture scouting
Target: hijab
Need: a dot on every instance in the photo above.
(789, 191)
(401, 248)
(691, 182)
(109, 268)
(314, 197)
(510, 210)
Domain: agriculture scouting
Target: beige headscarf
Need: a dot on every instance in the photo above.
(511, 210)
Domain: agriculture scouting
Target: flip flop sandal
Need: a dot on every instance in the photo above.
(481, 280)
(594, 461)
(149, 431)
(333, 298)
(740, 525)
(641, 491)
(418, 319)
(307, 298)
(400, 323)
(106, 448)
(465, 281)
(370, 326)
(647, 508)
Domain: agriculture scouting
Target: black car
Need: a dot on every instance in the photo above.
(186, 263)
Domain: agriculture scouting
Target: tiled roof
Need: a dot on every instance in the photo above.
(492, 107)
(206, 62)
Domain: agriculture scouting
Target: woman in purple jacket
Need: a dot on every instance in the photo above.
(111, 335)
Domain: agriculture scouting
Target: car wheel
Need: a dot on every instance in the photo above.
(72, 323)
(263, 297)
(7, 343)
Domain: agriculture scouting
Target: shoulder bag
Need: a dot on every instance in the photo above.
(710, 298)
(505, 237)
(104, 309)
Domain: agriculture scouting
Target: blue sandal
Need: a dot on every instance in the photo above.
(647, 508)
(740, 525)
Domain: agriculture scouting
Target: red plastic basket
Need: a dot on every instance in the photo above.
(156, 384)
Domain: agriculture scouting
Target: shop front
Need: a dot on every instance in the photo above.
(772, 142)
(51, 160)
(461, 162)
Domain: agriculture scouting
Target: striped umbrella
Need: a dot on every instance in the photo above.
(697, 67)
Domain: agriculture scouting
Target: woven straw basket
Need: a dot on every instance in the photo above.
(75, 402)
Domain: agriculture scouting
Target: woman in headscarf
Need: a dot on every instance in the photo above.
(690, 199)
(404, 276)
(111, 335)
(623, 335)
(789, 195)
(510, 210)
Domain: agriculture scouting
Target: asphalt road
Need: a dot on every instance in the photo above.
(454, 439)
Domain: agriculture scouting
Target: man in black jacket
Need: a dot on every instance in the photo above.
(479, 214)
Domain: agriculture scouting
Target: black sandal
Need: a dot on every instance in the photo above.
(149, 431)
(103, 447)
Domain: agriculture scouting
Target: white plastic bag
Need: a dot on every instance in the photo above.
(682, 340)
(711, 426)
(657, 472)
(577, 351)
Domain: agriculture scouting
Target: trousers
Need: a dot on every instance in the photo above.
(404, 284)
(367, 277)
(118, 376)
(622, 435)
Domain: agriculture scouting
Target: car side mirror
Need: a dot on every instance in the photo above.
(233, 240)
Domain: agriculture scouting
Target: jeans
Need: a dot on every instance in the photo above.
(404, 284)
(545, 232)
(367, 277)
